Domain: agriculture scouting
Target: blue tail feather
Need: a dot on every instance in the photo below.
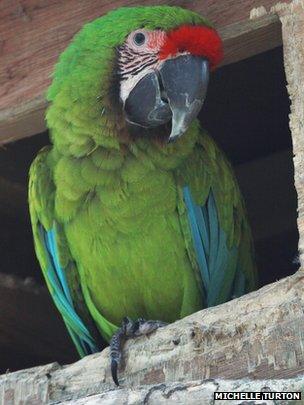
(62, 297)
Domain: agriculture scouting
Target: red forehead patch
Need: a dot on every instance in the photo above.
(195, 39)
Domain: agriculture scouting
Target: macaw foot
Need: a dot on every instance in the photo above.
(129, 329)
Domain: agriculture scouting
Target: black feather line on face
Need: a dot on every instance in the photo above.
(133, 64)
(138, 69)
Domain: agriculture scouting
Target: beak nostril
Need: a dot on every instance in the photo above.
(164, 97)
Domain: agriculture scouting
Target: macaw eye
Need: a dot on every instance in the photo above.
(139, 38)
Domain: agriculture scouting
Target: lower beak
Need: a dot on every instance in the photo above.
(175, 92)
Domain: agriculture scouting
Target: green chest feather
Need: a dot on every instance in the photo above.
(121, 214)
(128, 244)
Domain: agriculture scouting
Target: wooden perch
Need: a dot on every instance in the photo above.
(257, 336)
(194, 392)
(45, 29)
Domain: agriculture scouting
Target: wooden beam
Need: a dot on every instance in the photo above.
(23, 120)
(250, 37)
(35, 32)
(30, 324)
(292, 18)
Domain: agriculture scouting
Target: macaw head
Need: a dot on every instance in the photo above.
(163, 75)
(146, 66)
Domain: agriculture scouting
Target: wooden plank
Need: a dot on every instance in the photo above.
(34, 32)
(30, 324)
(258, 336)
(292, 18)
(248, 38)
(24, 120)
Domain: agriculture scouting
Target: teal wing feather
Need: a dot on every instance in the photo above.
(216, 261)
(58, 267)
(219, 243)
(61, 294)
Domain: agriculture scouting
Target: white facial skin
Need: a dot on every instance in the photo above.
(138, 56)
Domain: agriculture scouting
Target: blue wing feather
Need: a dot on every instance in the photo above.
(59, 270)
(56, 277)
(203, 228)
(214, 231)
(198, 245)
(217, 263)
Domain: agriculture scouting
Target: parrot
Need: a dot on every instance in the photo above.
(137, 217)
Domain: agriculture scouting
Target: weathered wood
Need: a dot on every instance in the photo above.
(35, 32)
(194, 393)
(22, 120)
(257, 336)
(292, 18)
(28, 315)
(250, 37)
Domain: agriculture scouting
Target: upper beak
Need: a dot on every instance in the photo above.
(185, 81)
(175, 92)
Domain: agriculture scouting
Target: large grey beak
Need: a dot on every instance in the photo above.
(176, 92)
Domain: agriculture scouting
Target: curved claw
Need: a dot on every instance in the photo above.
(129, 329)
(114, 366)
(115, 352)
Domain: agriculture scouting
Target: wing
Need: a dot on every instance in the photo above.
(220, 236)
(58, 268)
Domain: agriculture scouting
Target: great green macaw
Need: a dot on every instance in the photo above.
(135, 211)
